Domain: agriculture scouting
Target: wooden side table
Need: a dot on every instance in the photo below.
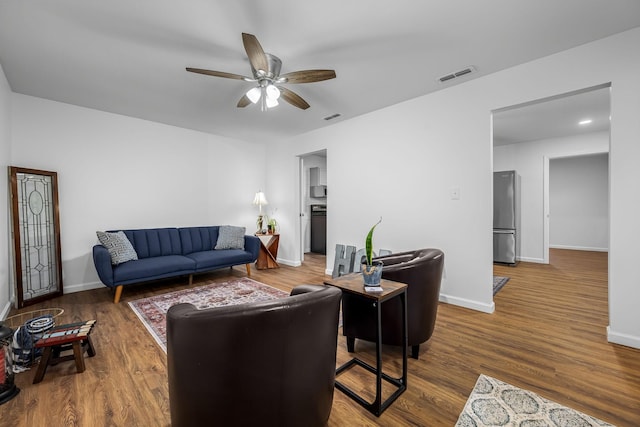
(268, 251)
(74, 336)
(353, 284)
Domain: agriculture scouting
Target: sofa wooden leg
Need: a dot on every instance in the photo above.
(190, 279)
(116, 299)
(248, 270)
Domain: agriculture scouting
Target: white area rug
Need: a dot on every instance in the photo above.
(495, 403)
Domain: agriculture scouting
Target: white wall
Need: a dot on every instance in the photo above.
(579, 202)
(5, 156)
(118, 172)
(528, 159)
(401, 162)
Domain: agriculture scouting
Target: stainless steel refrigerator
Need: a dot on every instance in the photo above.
(506, 217)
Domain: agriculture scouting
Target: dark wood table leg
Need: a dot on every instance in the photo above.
(42, 366)
(91, 351)
(77, 355)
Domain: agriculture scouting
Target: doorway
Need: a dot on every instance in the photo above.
(313, 201)
(527, 136)
(549, 136)
(578, 206)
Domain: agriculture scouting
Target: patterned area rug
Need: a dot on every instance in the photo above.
(495, 403)
(498, 283)
(152, 311)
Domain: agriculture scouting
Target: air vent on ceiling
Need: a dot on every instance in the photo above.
(333, 116)
(470, 69)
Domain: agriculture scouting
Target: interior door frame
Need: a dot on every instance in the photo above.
(302, 194)
(17, 255)
(301, 200)
(546, 189)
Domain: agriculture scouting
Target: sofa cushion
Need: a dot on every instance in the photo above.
(118, 245)
(196, 239)
(207, 260)
(154, 242)
(230, 237)
(150, 268)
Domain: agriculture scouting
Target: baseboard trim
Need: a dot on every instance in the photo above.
(5, 310)
(527, 259)
(622, 339)
(579, 248)
(289, 262)
(467, 303)
(70, 289)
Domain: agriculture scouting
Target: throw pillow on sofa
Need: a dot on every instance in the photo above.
(230, 237)
(118, 245)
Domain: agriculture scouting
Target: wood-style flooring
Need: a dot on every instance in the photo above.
(547, 335)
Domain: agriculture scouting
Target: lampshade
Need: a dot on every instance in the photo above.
(273, 92)
(254, 94)
(260, 200)
(271, 102)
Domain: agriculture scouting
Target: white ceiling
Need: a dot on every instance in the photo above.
(559, 116)
(129, 57)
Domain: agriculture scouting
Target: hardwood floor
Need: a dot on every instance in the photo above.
(548, 335)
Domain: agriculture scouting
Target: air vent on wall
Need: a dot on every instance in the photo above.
(333, 116)
(470, 69)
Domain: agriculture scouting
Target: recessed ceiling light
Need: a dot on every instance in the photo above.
(585, 122)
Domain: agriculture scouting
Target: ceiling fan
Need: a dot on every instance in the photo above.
(265, 68)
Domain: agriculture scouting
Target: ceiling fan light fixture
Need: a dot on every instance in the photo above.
(271, 102)
(254, 94)
(265, 69)
(273, 92)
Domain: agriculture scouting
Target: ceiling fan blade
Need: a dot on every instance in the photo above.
(255, 53)
(219, 74)
(308, 76)
(243, 102)
(293, 98)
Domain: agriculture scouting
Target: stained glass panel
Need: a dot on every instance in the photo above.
(36, 242)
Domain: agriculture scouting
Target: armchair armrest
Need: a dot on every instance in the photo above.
(102, 262)
(252, 244)
(395, 259)
(303, 289)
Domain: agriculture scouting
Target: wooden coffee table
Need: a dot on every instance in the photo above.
(353, 284)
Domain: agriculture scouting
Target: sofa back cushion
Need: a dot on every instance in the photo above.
(153, 242)
(197, 239)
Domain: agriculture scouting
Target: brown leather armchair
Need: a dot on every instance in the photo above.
(271, 363)
(421, 270)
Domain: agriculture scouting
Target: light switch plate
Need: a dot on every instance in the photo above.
(454, 192)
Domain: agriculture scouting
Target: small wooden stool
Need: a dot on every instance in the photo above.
(61, 338)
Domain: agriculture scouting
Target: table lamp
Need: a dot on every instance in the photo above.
(260, 200)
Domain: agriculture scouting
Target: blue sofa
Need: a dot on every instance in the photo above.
(170, 252)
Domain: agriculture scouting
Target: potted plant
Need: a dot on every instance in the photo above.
(272, 225)
(371, 270)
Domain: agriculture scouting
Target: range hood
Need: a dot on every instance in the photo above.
(318, 191)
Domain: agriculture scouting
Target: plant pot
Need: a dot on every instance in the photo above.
(372, 273)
